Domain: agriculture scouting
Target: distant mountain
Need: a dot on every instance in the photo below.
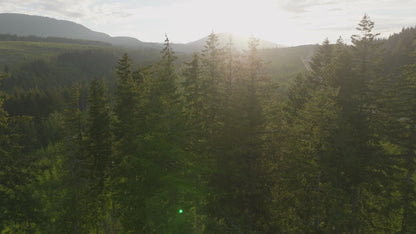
(239, 42)
(29, 25)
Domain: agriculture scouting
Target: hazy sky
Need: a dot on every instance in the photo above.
(287, 22)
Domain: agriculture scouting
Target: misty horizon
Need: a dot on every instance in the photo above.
(283, 22)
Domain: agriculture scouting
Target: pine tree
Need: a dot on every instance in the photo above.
(365, 37)
(99, 150)
(19, 210)
(172, 177)
(367, 156)
(320, 64)
(192, 101)
(311, 120)
(355, 158)
(256, 191)
(127, 193)
(307, 173)
(76, 169)
(399, 131)
(237, 178)
(126, 106)
(213, 70)
(127, 112)
(164, 98)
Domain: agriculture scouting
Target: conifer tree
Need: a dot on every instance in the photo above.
(168, 180)
(76, 167)
(212, 60)
(99, 150)
(320, 65)
(399, 114)
(126, 106)
(164, 98)
(358, 118)
(212, 123)
(237, 179)
(19, 210)
(355, 152)
(127, 196)
(256, 191)
(192, 101)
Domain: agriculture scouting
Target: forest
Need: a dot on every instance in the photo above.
(210, 143)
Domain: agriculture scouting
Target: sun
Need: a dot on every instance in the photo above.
(260, 18)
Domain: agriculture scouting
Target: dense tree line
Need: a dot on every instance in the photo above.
(213, 147)
(8, 37)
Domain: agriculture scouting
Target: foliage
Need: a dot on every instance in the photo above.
(221, 144)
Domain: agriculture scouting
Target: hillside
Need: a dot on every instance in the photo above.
(26, 40)
(39, 26)
(28, 25)
(16, 52)
(44, 64)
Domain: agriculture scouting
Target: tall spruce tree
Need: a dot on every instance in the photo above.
(19, 208)
(127, 173)
(164, 98)
(399, 127)
(127, 121)
(76, 168)
(255, 191)
(236, 180)
(212, 123)
(167, 181)
(99, 150)
(191, 99)
(212, 59)
(312, 119)
(359, 106)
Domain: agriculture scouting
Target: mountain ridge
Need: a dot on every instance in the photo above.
(33, 25)
(42, 26)
(238, 42)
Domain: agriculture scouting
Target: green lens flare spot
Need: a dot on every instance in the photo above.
(180, 211)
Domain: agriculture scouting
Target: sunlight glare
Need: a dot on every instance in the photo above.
(260, 19)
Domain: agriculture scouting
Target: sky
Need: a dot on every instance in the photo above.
(286, 22)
